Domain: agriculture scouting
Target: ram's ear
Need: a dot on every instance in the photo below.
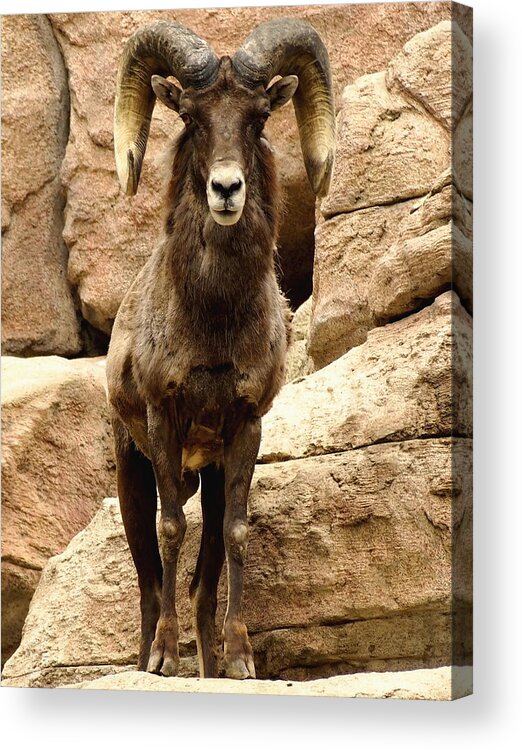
(282, 91)
(166, 91)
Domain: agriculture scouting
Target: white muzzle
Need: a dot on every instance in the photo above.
(226, 192)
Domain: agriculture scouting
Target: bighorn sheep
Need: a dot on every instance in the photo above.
(198, 348)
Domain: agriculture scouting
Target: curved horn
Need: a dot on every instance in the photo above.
(287, 46)
(164, 48)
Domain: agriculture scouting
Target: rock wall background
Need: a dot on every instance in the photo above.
(63, 218)
(360, 555)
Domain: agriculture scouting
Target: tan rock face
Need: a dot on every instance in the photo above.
(334, 539)
(108, 236)
(298, 362)
(409, 379)
(388, 148)
(444, 683)
(38, 312)
(435, 68)
(376, 264)
(398, 225)
(348, 248)
(57, 462)
(433, 250)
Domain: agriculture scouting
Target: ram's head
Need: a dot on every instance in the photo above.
(225, 103)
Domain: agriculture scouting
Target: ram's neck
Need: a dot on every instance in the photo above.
(219, 271)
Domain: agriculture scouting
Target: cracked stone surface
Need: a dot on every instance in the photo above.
(298, 363)
(337, 578)
(38, 311)
(444, 683)
(396, 226)
(375, 265)
(410, 379)
(109, 237)
(57, 465)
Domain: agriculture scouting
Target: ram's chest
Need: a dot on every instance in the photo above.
(203, 445)
(209, 399)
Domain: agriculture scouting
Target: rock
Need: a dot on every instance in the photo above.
(38, 312)
(435, 68)
(382, 252)
(389, 148)
(348, 247)
(410, 379)
(109, 237)
(394, 127)
(57, 464)
(463, 153)
(443, 683)
(432, 252)
(298, 363)
(349, 569)
(301, 321)
(297, 360)
(375, 265)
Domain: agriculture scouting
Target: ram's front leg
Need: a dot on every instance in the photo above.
(165, 449)
(240, 458)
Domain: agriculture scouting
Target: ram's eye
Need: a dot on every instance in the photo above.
(187, 119)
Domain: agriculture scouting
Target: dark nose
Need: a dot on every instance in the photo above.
(226, 190)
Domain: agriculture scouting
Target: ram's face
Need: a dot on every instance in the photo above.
(225, 123)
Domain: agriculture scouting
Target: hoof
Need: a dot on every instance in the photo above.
(240, 668)
(163, 659)
(239, 657)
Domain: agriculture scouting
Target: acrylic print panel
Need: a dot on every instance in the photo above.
(357, 578)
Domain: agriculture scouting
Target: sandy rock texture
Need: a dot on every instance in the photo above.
(106, 250)
(397, 222)
(57, 464)
(376, 264)
(358, 580)
(410, 379)
(444, 683)
(38, 311)
(298, 363)
(338, 579)
(349, 496)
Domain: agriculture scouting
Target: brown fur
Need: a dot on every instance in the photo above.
(197, 356)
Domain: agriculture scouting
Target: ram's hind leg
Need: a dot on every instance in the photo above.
(203, 589)
(138, 503)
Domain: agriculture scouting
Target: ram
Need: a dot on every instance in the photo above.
(198, 347)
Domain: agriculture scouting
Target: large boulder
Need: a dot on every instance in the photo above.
(395, 228)
(349, 569)
(57, 465)
(38, 311)
(348, 247)
(298, 363)
(394, 128)
(359, 522)
(410, 379)
(433, 252)
(110, 237)
(388, 149)
(444, 683)
(376, 264)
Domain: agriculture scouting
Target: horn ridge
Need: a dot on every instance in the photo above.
(285, 46)
(160, 48)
